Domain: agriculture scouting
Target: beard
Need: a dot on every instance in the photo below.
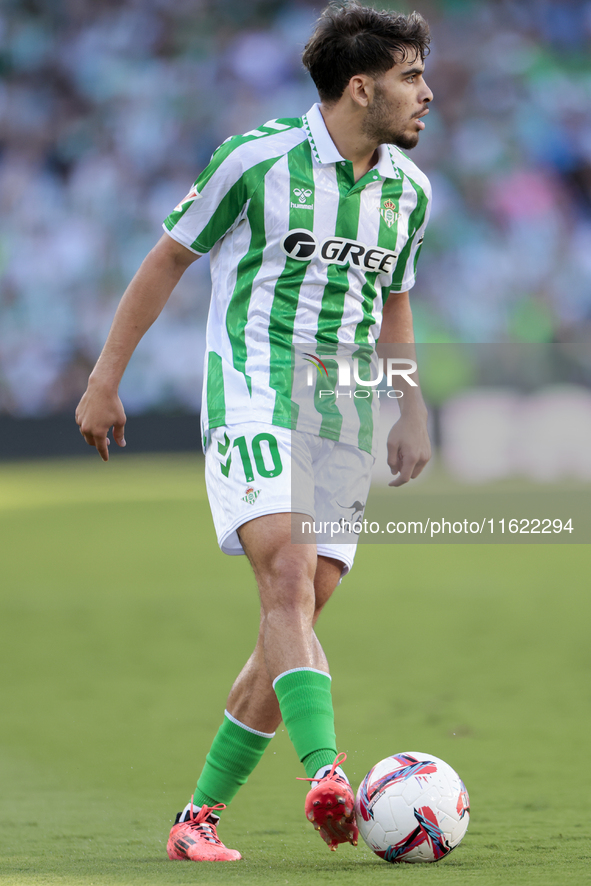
(379, 128)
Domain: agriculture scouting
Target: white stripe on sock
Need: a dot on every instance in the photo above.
(248, 728)
(295, 670)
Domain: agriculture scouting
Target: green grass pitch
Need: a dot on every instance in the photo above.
(122, 627)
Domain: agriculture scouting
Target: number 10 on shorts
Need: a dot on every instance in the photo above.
(241, 444)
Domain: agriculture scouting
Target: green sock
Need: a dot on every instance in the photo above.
(306, 708)
(233, 755)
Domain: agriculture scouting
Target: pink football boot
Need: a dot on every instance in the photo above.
(196, 839)
(330, 806)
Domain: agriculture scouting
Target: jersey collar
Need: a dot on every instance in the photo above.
(325, 150)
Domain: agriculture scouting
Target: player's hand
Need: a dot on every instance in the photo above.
(409, 448)
(99, 410)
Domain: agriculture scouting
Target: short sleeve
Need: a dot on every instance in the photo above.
(214, 204)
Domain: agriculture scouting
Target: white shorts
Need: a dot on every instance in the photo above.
(253, 469)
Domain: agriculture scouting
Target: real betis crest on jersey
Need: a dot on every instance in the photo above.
(389, 213)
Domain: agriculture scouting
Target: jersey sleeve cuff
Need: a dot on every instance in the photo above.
(404, 286)
(174, 236)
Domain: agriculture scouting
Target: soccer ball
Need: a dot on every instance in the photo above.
(412, 807)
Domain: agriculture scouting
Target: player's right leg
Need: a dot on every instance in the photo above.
(298, 668)
(286, 642)
(252, 699)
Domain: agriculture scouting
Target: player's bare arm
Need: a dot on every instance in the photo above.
(100, 408)
(409, 448)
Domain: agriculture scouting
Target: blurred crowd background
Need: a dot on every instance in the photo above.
(109, 109)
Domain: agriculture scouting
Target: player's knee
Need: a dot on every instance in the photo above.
(287, 588)
(291, 569)
(293, 596)
(289, 596)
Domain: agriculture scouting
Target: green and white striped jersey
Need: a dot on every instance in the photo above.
(301, 255)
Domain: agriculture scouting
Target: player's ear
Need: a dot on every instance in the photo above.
(361, 89)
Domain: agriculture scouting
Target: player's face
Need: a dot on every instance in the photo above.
(400, 99)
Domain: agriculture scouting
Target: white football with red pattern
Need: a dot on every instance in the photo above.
(412, 807)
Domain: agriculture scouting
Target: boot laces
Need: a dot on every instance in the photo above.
(340, 758)
(199, 822)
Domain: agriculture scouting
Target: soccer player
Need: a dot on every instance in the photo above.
(314, 226)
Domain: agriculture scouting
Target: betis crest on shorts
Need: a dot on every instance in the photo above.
(251, 495)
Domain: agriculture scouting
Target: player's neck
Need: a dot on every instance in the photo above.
(345, 130)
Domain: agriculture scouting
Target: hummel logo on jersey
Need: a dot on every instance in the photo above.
(302, 194)
(303, 246)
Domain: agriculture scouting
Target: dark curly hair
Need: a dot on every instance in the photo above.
(351, 39)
